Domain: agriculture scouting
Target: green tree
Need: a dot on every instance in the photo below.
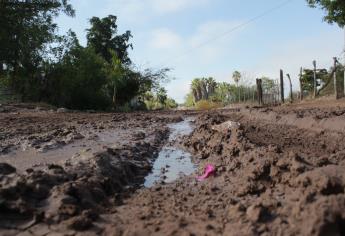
(196, 89)
(171, 103)
(267, 84)
(211, 86)
(26, 30)
(308, 78)
(116, 78)
(236, 76)
(223, 93)
(203, 88)
(162, 96)
(189, 100)
(335, 10)
(78, 80)
(103, 37)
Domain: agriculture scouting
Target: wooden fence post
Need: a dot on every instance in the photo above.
(259, 90)
(291, 95)
(315, 82)
(282, 86)
(335, 78)
(300, 83)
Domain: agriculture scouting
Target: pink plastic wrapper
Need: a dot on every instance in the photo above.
(209, 170)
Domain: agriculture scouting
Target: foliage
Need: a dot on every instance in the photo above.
(78, 81)
(223, 94)
(171, 103)
(307, 78)
(159, 100)
(236, 76)
(268, 85)
(327, 87)
(26, 29)
(206, 105)
(203, 88)
(43, 66)
(335, 10)
(102, 36)
(189, 100)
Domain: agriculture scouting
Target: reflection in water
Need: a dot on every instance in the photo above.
(172, 162)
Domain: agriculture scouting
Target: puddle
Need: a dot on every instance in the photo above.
(172, 162)
(94, 142)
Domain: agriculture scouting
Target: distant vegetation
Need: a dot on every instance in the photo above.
(43, 66)
(206, 93)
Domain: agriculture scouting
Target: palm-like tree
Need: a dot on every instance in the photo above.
(203, 85)
(211, 84)
(236, 76)
(196, 90)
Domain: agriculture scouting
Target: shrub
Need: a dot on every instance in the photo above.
(206, 105)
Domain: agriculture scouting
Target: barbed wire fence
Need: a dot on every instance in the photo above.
(331, 84)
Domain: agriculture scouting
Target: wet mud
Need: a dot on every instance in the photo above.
(279, 171)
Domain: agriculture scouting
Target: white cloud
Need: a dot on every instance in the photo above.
(165, 39)
(138, 11)
(168, 6)
(210, 40)
(293, 55)
(206, 44)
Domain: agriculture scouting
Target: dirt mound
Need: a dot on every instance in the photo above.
(278, 183)
(74, 194)
(271, 179)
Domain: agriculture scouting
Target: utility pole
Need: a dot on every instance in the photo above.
(315, 84)
(344, 62)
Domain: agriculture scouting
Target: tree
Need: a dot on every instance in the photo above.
(203, 88)
(116, 76)
(196, 89)
(171, 103)
(103, 37)
(44, 66)
(189, 100)
(162, 96)
(308, 78)
(236, 76)
(78, 80)
(267, 84)
(223, 92)
(335, 10)
(211, 86)
(26, 29)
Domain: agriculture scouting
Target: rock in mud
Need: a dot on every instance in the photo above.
(62, 110)
(6, 169)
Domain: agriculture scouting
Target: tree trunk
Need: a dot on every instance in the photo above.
(114, 96)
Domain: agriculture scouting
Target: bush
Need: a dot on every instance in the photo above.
(206, 105)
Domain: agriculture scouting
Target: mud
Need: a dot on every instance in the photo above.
(279, 171)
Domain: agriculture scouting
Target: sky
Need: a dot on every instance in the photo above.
(213, 38)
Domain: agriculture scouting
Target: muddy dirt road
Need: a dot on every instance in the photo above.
(279, 171)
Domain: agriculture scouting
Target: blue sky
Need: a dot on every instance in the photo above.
(167, 33)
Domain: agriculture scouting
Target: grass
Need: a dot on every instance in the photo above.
(206, 105)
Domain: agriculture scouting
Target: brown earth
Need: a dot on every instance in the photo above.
(279, 171)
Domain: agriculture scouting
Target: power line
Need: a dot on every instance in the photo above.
(284, 3)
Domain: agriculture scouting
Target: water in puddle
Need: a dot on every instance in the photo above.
(172, 162)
